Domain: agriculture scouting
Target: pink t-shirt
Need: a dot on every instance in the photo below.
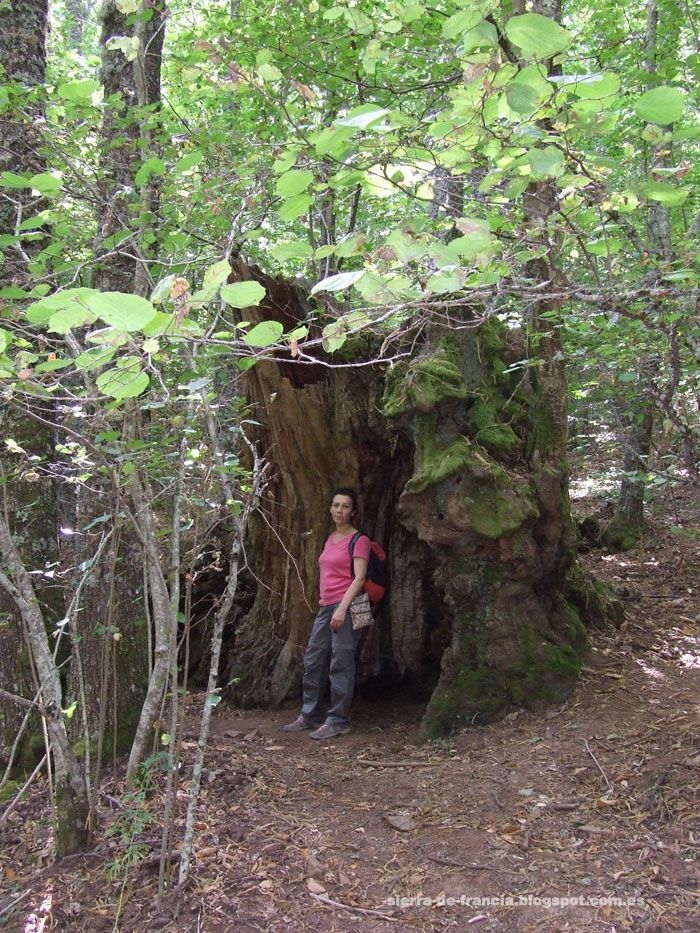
(335, 567)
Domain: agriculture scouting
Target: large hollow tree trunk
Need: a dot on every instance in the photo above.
(486, 606)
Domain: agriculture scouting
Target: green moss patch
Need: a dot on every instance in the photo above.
(593, 600)
(489, 431)
(423, 383)
(497, 512)
(435, 463)
(545, 672)
(621, 534)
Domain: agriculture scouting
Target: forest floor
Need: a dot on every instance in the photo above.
(596, 801)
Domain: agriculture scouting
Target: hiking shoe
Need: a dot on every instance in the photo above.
(298, 725)
(328, 732)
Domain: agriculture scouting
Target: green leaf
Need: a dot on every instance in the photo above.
(215, 276)
(448, 280)
(296, 249)
(622, 201)
(125, 380)
(61, 322)
(285, 161)
(94, 358)
(188, 161)
(333, 141)
(665, 194)
(661, 105)
(293, 182)
(269, 72)
(537, 36)
(460, 22)
(152, 166)
(350, 246)
(243, 294)
(604, 246)
(51, 366)
(127, 312)
(546, 162)
(483, 34)
(45, 183)
(406, 248)
(108, 336)
(476, 238)
(333, 336)
(161, 292)
(528, 90)
(339, 282)
(384, 289)
(264, 334)
(594, 87)
(363, 116)
(5, 340)
(40, 312)
(12, 180)
(294, 207)
(127, 45)
(81, 89)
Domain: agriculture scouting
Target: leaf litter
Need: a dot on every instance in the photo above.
(599, 798)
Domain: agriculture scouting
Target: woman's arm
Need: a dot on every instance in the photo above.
(359, 565)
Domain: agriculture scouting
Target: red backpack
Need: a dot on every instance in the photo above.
(376, 581)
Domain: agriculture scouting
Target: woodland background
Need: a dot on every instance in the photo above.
(251, 252)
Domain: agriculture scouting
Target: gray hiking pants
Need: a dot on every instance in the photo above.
(333, 653)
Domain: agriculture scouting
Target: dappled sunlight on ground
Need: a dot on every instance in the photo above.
(581, 817)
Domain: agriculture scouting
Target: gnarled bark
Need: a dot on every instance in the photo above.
(486, 608)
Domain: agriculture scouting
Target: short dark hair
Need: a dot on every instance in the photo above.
(345, 491)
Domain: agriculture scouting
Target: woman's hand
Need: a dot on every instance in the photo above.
(338, 618)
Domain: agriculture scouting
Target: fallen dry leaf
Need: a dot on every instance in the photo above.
(314, 868)
(401, 821)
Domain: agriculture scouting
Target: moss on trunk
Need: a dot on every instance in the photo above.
(481, 614)
(498, 520)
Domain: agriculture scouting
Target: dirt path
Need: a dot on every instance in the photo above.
(597, 799)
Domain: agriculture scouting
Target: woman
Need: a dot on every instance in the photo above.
(333, 639)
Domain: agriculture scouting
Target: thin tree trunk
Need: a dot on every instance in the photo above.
(163, 621)
(71, 795)
(23, 29)
(627, 524)
(258, 482)
(125, 145)
(28, 496)
(76, 15)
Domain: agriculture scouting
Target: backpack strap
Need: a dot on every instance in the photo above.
(351, 550)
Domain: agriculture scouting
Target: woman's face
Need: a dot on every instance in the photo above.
(342, 510)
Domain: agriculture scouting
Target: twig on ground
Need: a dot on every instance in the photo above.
(13, 903)
(18, 796)
(357, 910)
(588, 749)
(367, 763)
